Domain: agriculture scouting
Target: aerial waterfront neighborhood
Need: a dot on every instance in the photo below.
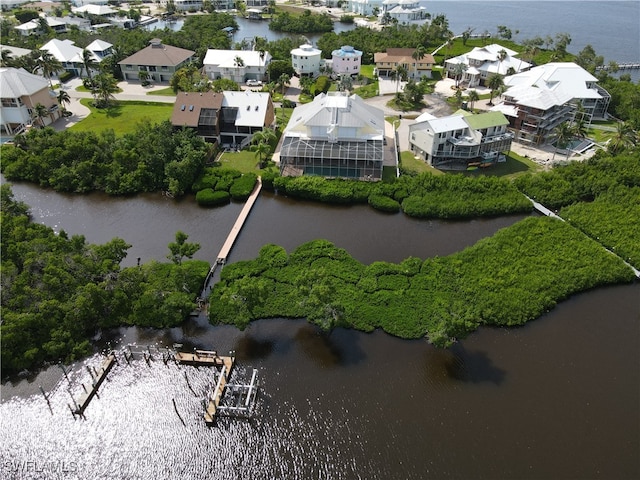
(319, 239)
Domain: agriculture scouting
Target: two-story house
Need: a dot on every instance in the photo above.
(388, 62)
(461, 140)
(481, 62)
(236, 65)
(20, 92)
(228, 118)
(335, 136)
(160, 61)
(71, 56)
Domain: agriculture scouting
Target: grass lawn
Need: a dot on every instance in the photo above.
(167, 92)
(245, 161)
(410, 163)
(515, 166)
(367, 71)
(123, 116)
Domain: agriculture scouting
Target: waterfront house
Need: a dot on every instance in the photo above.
(363, 7)
(159, 60)
(228, 118)
(236, 65)
(346, 60)
(539, 100)
(20, 92)
(460, 140)
(34, 26)
(404, 11)
(306, 60)
(71, 57)
(336, 135)
(387, 62)
(482, 62)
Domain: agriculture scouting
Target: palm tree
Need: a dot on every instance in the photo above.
(473, 98)
(562, 135)
(49, 65)
(418, 55)
(624, 137)
(105, 86)
(89, 62)
(495, 83)
(401, 75)
(238, 63)
(502, 54)
(38, 112)
(283, 80)
(458, 71)
(63, 99)
(7, 58)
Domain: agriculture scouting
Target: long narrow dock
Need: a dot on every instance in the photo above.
(101, 374)
(235, 231)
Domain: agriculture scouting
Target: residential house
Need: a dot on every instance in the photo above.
(481, 62)
(228, 118)
(159, 60)
(8, 5)
(335, 135)
(461, 140)
(306, 60)
(20, 92)
(387, 62)
(404, 11)
(34, 27)
(15, 52)
(71, 57)
(236, 65)
(346, 60)
(259, 4)
(539, 100)
(364, 7)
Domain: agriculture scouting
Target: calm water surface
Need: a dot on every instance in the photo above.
(558, 398)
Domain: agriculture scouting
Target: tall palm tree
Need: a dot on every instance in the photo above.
(562, 135)
(624, 137)
(63, 99)
(502, 54)
(458, 71)
(89, 62)
(262, 143)
(283, 80)
(38, 112)
(48, 65)
(105, 86)
(473, 98)
(401, 75)
(495, 83)
(417, 55)
(238, 63)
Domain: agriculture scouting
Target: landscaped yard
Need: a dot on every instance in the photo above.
(412, 164)
(122, 117)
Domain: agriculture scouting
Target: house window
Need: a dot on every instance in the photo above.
(9, 102)
(129, 67)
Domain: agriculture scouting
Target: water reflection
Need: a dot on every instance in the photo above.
(459, 364)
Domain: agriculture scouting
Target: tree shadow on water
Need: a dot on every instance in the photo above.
(329, 349)
(250, 348)
(459, 364)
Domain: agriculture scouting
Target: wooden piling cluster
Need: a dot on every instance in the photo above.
(97, 377)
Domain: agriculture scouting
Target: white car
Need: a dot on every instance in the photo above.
(254, 83)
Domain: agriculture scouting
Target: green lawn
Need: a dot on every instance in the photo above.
(167, 92)
(514, 166)
(245, 161)
(123, 116)
(410, 163)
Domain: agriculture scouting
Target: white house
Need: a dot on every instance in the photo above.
(306, 60)
(461, 140)
(364, 7)
(71, 57)
(243, 114)
(539, 100)
(336, 135)
(404, 11)
(236, 65)
(482, 62)
(33, 27)
(346, 60)
(21, 91)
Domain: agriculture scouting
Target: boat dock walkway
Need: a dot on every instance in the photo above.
(96, 381)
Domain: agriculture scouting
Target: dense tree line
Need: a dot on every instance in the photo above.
(508, 279)
(422, 196)
(58, 291)
(305, 23)
(154, 157)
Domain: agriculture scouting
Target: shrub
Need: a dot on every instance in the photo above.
(243, 186)
(384, 203)
(211, 198)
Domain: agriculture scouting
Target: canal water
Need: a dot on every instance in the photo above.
(557, 398)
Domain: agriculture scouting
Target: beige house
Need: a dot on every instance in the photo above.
(20, 92)
(389, 61)
(159, 60)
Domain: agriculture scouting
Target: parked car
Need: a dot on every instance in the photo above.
(253, 83)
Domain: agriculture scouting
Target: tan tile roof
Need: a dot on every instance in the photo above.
(159, 55)
(400, 55)
(186, 110)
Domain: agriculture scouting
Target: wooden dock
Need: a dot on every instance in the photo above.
(101, 374)
(235, 231)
